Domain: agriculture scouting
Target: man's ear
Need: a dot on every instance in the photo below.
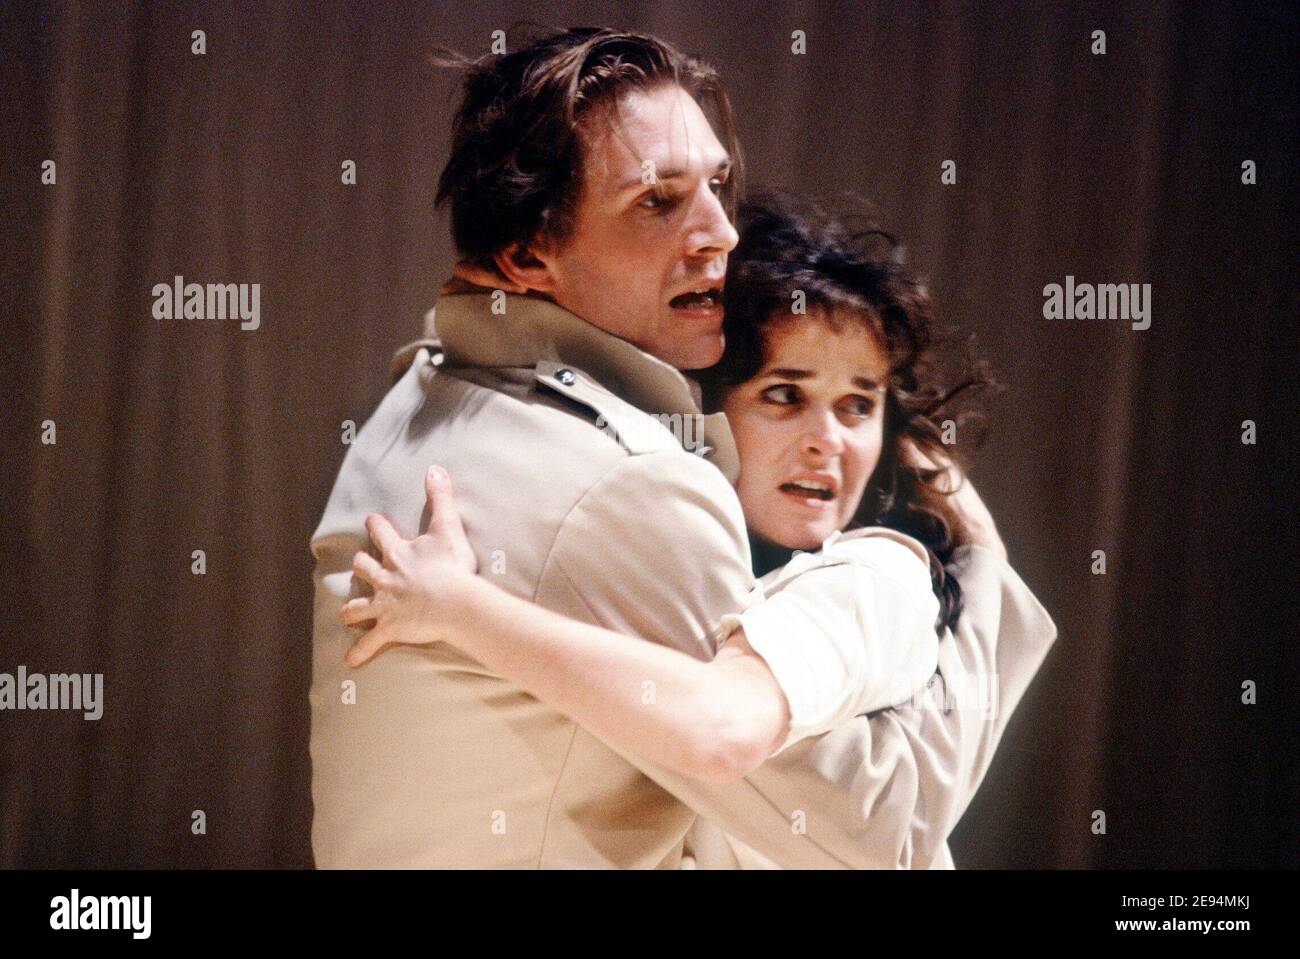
(523, 266)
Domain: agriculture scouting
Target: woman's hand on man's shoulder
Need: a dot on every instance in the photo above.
(971, 518)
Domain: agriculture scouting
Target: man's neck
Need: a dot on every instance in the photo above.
(501, 330)
(498, 329)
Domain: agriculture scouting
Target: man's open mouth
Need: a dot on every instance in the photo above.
(701, 299)
(812, 489)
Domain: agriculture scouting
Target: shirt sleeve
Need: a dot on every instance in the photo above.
(658, 549)
(850, 632)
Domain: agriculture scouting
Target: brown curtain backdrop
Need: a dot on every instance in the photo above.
(176, 436)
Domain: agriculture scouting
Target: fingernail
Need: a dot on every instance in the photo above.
(437, 473)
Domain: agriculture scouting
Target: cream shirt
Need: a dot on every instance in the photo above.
(846, 630)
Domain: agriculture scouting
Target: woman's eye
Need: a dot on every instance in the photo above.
(860, 406)
(716, 184)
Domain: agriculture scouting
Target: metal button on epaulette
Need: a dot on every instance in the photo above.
(566, 377)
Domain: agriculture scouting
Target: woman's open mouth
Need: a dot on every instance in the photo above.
(814, 494)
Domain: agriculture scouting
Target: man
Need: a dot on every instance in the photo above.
(584, 171)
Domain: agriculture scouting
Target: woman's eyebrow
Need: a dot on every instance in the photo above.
(861, 382)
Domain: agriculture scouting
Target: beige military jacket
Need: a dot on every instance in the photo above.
(578, 492)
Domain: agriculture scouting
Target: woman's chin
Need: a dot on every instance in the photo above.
(798, 534)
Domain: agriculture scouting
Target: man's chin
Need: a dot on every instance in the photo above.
(699, 354)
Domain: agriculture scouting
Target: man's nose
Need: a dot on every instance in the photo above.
(711, 232)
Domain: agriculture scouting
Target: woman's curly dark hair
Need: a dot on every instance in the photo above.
(789, 246)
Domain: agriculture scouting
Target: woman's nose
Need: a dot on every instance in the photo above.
(823, 437)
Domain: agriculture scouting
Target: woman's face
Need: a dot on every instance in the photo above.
(809, 428)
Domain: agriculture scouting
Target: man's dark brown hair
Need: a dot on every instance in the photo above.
(515, 171)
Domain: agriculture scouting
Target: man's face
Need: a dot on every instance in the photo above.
(640, 252)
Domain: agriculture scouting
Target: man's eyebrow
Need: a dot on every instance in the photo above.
(862, 382)
(673, 173)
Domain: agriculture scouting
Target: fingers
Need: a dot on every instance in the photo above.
(368, 568)
(444, 517)
(365, 648)
(920, 460)
(948, 476)
(357, 611)
(912, 454)
(385, 537)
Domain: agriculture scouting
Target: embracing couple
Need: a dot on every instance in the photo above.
(548, 633)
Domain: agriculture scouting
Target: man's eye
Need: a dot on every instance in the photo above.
(657, 201)
(783, 394)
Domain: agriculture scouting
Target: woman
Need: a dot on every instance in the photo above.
(820, 382)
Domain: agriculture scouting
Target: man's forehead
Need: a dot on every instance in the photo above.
(663, 126)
